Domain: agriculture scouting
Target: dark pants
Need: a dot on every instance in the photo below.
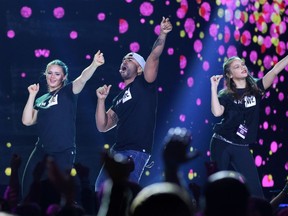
(64, 161)
(241, 159)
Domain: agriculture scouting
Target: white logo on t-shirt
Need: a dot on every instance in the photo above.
(250, 101)
(127, 96)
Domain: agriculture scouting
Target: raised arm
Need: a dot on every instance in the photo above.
(270, 76)
(29, 115)
(152, 62)
(104, 120)
(216, 108)
(79, 82)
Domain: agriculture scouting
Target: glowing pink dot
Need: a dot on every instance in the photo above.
(129, 1)
(123, 26)
(190, 82)
(205, 11)
(267, 110)
(227, 34)
(206, 121)
(260, 74)
(261, 141)
(198, 101)
(134, 47)
(101, 16)
(146, 8)
(281, 96)
(286, 113)
(258, 160)
(26, 12)
(286, 165)
(213, 30)
(282, 78)
(206, 65)
(265, 125)
(189, 27)
(59, 12)
(88, 57)
(116, 38)
(170, 51)
(267, 42)
(23, 75)
(181, 12)
(10, 34)
(267, 181)
(73, 35)
(244, 53)
(245, 38)
(121, 85)
(221, 50)
(142, 20)
(253, 56)
(157, 29)
(237, 35)
(160, 89)
(183, 61)
(273, 146)
(274, 111)
(267, 62)
(182, 118)
(231, 51)
(274, 127)
(167, 2)
(208, 153)
(181, 72)
(198, 46)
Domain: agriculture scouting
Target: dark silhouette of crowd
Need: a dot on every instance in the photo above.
(224, 192)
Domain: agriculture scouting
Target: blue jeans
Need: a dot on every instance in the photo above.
(140, 160)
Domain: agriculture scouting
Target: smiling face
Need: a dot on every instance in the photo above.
(54, 77)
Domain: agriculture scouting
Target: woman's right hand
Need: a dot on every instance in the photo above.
(33, 89)
(215, 79)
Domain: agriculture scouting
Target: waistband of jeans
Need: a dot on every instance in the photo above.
(217, 136)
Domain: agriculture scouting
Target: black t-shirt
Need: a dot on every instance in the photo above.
(136, 107)
(56, 119)
(244, 111)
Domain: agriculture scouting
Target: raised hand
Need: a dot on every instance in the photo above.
(215, 80)
(177, 142)
(166, 25)
(102, 92)
(33, 89)
(99, 58)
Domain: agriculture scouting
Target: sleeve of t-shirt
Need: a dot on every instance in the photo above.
(222, 99)
(260, 85)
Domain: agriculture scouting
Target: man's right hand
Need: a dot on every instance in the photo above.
(102, 92)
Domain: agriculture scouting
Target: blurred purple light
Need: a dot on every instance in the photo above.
(146, 9)
(123, 26)
(10, 34)
(101, 16)
(59, 12)
(134, 47)
(73, 35)
(26, 11)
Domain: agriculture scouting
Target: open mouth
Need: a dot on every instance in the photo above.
(123, 69)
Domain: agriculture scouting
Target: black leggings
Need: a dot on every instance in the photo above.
(241, 159)
(64, 161)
